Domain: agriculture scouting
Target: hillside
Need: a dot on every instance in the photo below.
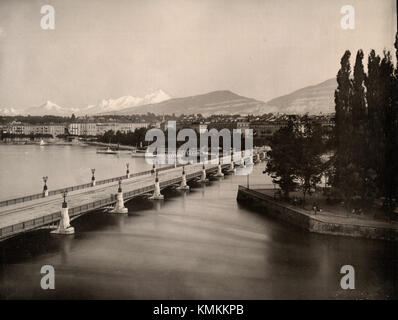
(312, 99)
(217, 102)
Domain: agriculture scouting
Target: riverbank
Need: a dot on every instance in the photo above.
(323, 222)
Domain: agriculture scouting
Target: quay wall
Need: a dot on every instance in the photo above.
(307, 221)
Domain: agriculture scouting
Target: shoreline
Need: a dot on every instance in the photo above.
(320, 223)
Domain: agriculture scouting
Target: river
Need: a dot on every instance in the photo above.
(196, 245)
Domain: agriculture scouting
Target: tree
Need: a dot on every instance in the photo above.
(309, 166)
(389, 128)
(365, 139)
(362, 179)
(283, 158)
(343, 125)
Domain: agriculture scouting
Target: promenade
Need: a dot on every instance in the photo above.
(324, 222)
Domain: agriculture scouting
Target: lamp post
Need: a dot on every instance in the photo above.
(93, 177)
(64, 204)
(127, 170)
(45, 189)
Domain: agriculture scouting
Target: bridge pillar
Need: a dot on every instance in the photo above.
(243, 163)
(119, 206)
(64, 226)
(183, 185)
(232, 165)
(257, 158)
(156, 194)
(203, 177)
(219, 170)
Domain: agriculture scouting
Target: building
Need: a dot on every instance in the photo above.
(242, 124)
(44, 129)
(16, 127)
(219, 125)
(265, 129)
(124, 127)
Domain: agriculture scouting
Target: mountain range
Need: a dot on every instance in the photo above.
(314, 99)
(104, 106)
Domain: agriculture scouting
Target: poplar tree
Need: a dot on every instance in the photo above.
(388, 114)
(343, 124)
(359, 147)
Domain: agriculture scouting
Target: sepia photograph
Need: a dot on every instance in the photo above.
(218, 150)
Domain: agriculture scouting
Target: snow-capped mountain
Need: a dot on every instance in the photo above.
(104, 106)
(112, 105)
(8, 112)
(49, 108)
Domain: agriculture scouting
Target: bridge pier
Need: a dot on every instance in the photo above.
(64, 226)
(203, 176)
(183, 185)
(156, 194)
(119, 206)
(219, 170)
(232, 165)
(242, 163)
(257, 158)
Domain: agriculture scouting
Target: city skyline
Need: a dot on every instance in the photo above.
(179, 47)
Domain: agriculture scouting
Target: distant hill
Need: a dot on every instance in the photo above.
(313, 99)
(216, 102)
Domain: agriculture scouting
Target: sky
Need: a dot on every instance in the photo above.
(107, 49)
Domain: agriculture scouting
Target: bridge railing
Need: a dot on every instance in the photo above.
(27, 225)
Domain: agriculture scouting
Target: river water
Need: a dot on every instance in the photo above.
(196, 245)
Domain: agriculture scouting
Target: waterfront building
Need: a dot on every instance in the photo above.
(50, 129)
(124, 127)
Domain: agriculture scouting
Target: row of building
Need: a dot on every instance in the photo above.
(75, 128)
(262, 128)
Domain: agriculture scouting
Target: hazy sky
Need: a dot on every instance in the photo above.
(107, 49)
